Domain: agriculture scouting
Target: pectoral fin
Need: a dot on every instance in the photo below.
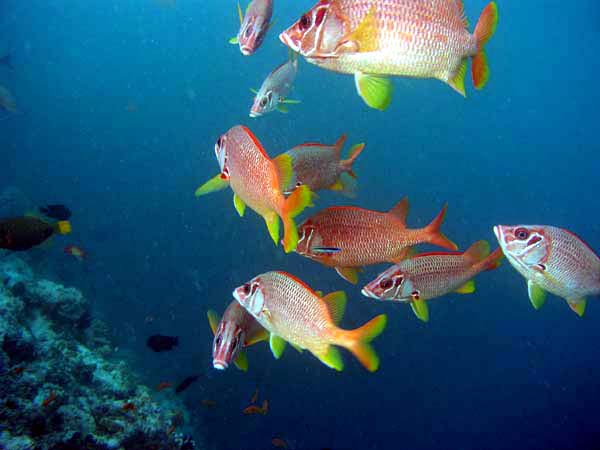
(288, 101)
(259, 336)
(216, 183)
(467, 288)
(277, 345)
(349, 274)
(234, 40)
(420, 309)
(537, 296)
(376, 91)
(239, 204)
(282, 108)
(578, 306)
(213, 320)
(241, 362)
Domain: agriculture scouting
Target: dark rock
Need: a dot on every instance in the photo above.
(18, 349)
(38, 426)
(85, 373)
(84, 321)
(18, 289)
(78, 442)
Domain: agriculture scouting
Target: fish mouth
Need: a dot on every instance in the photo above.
(220, 365)
(498, 233)
(287, 40)
(367, 293)
(254, 114)
(246, 51)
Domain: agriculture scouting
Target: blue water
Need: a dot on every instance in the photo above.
(121, 104)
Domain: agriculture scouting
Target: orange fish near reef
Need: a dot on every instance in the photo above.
(348, 238)
(375, 39)
(279, 443)
(430, 275)
(76, 252)
(256, 181)
(292, 312)
(163, 385)
(254, 396)
(253, 409)
(49, 400)
(235, 331)
(129, 406)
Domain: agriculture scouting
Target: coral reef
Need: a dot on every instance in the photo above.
(61, 387)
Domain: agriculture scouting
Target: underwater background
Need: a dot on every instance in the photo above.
(120, 104)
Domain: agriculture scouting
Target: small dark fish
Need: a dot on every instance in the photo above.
(58, 212)
(23, 233)
(5, 61)
(186, 383)
(160, 343)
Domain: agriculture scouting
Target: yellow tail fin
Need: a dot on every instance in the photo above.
(63, 227)
(357, 341)
(485, 29)
(294, 205)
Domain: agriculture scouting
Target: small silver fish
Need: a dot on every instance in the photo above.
(274, 90)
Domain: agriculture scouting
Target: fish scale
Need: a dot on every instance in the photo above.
(415, 38)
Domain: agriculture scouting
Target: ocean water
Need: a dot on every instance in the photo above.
(121, 102)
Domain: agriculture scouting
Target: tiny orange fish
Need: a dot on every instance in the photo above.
(129, 406)
(163, 385)
(17, 370)
(279, 443)
(252, 409)
(208, 403)
(170, 430)
(49, 400)
(76, 252)
(265, 407)
(254, 396)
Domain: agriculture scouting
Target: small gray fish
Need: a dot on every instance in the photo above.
(274, 90)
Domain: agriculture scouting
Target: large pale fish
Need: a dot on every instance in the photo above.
(372, 39)
(275, 89)
(256, 181)
(430, 275)
(347, 238)
(253, 25)
(552, 260)
(320, 167)
(233, 332)
(292, 312)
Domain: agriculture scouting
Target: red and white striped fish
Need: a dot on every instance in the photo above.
(372, 39)
(430, 275)
(253, 25)
(234, 331)
(552, 260)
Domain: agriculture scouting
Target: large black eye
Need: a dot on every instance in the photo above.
(220, 141)
(521, 233)
(246, 289)
(398, 281)
(304, 22)
(386, 283)
(248, 31)
(263, 102)
(218, 340)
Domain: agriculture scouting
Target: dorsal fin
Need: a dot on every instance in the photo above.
(339, 144)
(213, 320)
(400, 211)
(477, 252)
(461, 10)
(336, 305)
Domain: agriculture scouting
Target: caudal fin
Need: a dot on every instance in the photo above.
(485, 29)
(294, 205)
(493, 259)
(357, 341)
(435, 236)
(355, 150)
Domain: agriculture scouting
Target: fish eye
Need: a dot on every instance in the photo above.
(254, 288)
(248, 31)
(298, 183)
(398, 281)
(263, 102)
(218, 341)
(521, 233)
(304, 22)
(386, 283)
(246, 289)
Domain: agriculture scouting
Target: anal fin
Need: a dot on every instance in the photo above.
(349, 274)
(578, 306)
(420, 309)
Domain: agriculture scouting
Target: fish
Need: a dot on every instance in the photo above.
(254, 25)
(429, 275)
(552, 260)
(320, 167)
(58, 212)
(186, 383)
(253, 409)
(256, 181)
(273, 93)
(265, 406)
(348, 238)
(293, 312)
(49, 400)
(26, 232)
(76, 252)
(255, 395)
(279, 443)
(163, 385)
(7, 100)
(160, 343)
(208, 403)
(235, 331)
(17, 370)
(129, 406)
(374, 39)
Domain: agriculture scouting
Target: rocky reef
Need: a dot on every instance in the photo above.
(61, 386)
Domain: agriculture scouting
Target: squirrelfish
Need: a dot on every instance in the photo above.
(430, 275)
(256, 181)
(292, 312)
(348, 238)
(234, 331)
(372, 39)
(319, 166)
(552, 260)
(253, 25)
(76, 252)
(275, 89)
